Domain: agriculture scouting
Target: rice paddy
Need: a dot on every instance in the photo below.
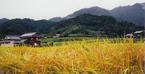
(76, 57)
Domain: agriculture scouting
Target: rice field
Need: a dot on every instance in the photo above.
(76, 57)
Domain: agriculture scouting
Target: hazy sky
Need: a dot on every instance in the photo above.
(45, 9)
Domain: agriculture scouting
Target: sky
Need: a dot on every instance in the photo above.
(46, 9)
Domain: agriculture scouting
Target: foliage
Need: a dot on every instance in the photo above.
(87, 24)
(20, 26)
(83, 25)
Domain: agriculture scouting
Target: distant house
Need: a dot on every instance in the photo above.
(31, 39)
(11, 40)
(136, 34)
(130, 35)
(139, 34)
(12, 37)
(57, 36)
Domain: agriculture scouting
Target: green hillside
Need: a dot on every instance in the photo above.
(90, 25)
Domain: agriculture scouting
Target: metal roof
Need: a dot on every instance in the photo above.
(138, 31)
(129, 34)
(28, 34)
(12, 37)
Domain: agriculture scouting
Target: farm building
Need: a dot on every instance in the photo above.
(130, 35)
(57, 36)
(11, 40)
(31, 39)
(136, 34)
(139, 34)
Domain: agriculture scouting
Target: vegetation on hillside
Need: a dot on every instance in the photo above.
(83, 25)
(20, 26)
(91, 25)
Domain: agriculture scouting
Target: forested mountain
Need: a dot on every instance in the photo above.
(92, 25)
(85, 22)
(3, 20)
(56, 19)
(20, 26)
(134, 13)
(93, 11)
(83, 25)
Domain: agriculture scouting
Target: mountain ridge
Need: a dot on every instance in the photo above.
(87, 24)
(131, 13)
(82, 25)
